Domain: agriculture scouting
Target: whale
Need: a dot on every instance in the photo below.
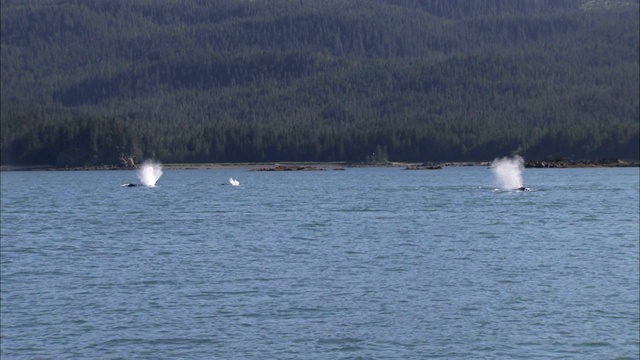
(522, 189)
(128, 185)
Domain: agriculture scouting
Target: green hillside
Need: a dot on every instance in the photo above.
(91, 82)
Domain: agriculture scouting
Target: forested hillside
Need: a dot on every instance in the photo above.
(92, 82)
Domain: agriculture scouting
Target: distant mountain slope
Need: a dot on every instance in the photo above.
(250, 80)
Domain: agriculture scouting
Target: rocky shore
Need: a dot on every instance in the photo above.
(62, 168)
(425, 166)
(558, 164)
(278, 167)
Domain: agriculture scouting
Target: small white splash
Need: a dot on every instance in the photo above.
(149, 173)
(234, 182)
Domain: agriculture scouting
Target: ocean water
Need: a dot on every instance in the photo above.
(377, 263)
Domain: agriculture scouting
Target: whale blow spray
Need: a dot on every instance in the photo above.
(508, 172)
(149, 173)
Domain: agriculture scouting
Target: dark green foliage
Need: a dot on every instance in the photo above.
(88, 82)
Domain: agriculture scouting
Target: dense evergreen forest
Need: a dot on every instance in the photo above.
(92, 82)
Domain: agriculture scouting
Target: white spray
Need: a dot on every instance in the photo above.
(508, 172)
(149, 173)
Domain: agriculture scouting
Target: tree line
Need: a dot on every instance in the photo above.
(86, 83)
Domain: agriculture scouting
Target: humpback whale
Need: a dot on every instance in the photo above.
(522, 189)
(128, 185)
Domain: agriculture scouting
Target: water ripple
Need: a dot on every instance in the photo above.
(360, 264)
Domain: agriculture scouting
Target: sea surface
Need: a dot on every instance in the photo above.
(374, 263)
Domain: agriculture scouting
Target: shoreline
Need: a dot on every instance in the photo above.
(320, 166)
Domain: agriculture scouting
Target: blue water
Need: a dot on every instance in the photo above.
(356, 264)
